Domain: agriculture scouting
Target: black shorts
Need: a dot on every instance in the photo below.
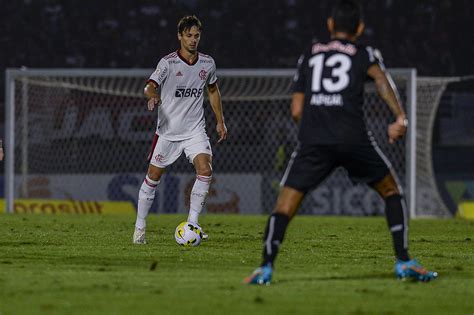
(311, 164)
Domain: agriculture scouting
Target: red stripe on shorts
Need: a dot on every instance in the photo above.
(150, 154)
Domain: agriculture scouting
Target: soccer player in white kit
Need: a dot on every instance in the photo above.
(176, 88)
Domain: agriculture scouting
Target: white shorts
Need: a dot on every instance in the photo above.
(165, 153)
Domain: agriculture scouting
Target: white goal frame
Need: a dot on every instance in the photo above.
(14, 74)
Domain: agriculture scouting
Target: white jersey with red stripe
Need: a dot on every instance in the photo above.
(181, 113)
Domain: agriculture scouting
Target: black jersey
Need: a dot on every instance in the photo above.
(332, 76)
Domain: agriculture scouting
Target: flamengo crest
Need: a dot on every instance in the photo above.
(203, 74)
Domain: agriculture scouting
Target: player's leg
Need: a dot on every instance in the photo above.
(288, 202)
(199, 153)
(163, 154)
(146, 196)
(366, 163)
(308, 167)
(397, 220)
(395, 213)
(197, 199)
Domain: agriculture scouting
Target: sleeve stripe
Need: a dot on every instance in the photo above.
(210, 83)
(153, 82)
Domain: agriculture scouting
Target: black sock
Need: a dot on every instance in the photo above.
(274, 233)
(397, 223)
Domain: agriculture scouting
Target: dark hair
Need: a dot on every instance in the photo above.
(187, 22)
(347, 14)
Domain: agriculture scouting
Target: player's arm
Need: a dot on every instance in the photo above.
(298, 88)
(151, 92)
(297, 103)
(388, 92)
(216, 104)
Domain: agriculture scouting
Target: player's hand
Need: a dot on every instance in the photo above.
(152, 102)
(397, 129)
(222, 131)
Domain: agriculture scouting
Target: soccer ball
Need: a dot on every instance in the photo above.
(188, 234)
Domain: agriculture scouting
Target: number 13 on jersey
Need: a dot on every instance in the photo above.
(339, 65)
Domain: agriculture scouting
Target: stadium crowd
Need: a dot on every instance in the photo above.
(432, 35)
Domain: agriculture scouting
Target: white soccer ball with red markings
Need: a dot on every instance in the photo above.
(188, 234)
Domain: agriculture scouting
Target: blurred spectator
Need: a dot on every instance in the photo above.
(435, 36)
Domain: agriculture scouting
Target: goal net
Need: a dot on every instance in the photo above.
(85, 135)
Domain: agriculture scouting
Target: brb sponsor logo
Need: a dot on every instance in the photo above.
(188, 92)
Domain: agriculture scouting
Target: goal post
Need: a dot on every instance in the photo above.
(91, 126)
(410, 155)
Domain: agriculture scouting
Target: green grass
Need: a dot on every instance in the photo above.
(327, 265)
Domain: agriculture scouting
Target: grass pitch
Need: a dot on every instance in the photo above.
(327, 265)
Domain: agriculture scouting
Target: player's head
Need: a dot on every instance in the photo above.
(189, 32)
(346, 17)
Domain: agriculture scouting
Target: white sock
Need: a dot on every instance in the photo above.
(198, 197)
(145, 200)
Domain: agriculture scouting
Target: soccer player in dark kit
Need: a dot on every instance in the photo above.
(327, 102)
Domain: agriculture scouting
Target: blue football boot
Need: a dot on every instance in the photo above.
(412, 269)
(262, 275)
